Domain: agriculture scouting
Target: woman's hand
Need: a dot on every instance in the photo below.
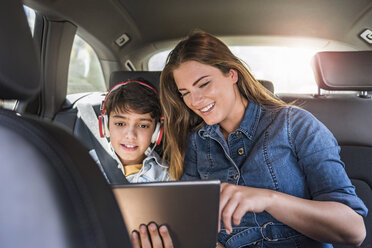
(219, 245)
(151, 237)
(236, 201)
(325, 221)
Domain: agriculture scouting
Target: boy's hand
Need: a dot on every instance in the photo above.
(154, 240)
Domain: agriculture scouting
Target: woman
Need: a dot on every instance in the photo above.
(283, 183)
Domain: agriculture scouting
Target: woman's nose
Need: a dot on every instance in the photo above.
(196, 99)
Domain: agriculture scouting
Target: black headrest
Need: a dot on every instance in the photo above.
(19, 63)
(122, 76)
(343, 70)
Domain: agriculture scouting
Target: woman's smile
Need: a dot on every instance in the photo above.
(208, 108)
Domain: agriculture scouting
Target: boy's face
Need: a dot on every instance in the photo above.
(130, 135)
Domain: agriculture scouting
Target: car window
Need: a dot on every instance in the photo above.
(287, 68)
(85, 72)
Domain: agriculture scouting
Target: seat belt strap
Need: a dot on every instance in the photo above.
(89, 117)
(108, 164)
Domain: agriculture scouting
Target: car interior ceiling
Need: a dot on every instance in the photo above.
(66, 168)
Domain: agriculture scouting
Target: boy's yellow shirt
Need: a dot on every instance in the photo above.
(132, 169)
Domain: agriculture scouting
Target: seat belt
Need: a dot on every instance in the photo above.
(108, 164)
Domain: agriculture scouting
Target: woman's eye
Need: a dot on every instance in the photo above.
(184, 94)
(120, 124)
(204, 84)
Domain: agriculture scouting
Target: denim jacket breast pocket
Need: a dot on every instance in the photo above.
(212, 162)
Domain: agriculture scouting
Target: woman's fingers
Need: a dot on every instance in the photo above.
(236, 201)
(227, 213)
(167, 240)
(224, 198)
(219, 245)
(238, 214)
(227, 205)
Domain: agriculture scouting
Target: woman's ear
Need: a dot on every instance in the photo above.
(233, 75)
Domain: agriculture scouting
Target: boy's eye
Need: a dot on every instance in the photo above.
(120, 124)
(143, 126)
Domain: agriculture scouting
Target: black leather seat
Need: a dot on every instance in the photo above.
(52, 193)
(348, 116)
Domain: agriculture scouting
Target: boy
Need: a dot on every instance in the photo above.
(131, 118)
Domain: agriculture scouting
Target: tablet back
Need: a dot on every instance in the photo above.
(188, 208)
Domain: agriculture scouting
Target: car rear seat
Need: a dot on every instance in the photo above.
(348, 116)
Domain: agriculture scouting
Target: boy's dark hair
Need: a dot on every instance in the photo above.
(134, 97)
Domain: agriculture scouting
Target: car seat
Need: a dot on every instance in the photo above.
(52, 193)
(347, 116)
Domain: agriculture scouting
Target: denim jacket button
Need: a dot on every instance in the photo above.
(241, 151)
(238, 134)
(256, 243)
(236, 176)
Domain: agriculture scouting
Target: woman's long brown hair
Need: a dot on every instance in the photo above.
(179, 120)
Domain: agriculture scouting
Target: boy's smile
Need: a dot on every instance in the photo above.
(129, 147)
(130, 135)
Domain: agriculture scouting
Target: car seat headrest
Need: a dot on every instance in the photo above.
(267, 84)
(343, 70)
(19, 63)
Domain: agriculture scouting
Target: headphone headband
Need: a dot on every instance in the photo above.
(103, 118)
(117, 86)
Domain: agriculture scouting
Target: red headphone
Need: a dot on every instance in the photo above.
(103, 118)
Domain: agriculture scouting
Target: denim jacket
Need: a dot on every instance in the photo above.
(153, 168)
(286, 150)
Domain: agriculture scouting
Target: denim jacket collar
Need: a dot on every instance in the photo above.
(248, 126)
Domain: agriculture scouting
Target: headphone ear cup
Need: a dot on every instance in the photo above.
(160, 134)
(155, 135)
(103, 126)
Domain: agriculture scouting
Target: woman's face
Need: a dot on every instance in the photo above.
(211, 94)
